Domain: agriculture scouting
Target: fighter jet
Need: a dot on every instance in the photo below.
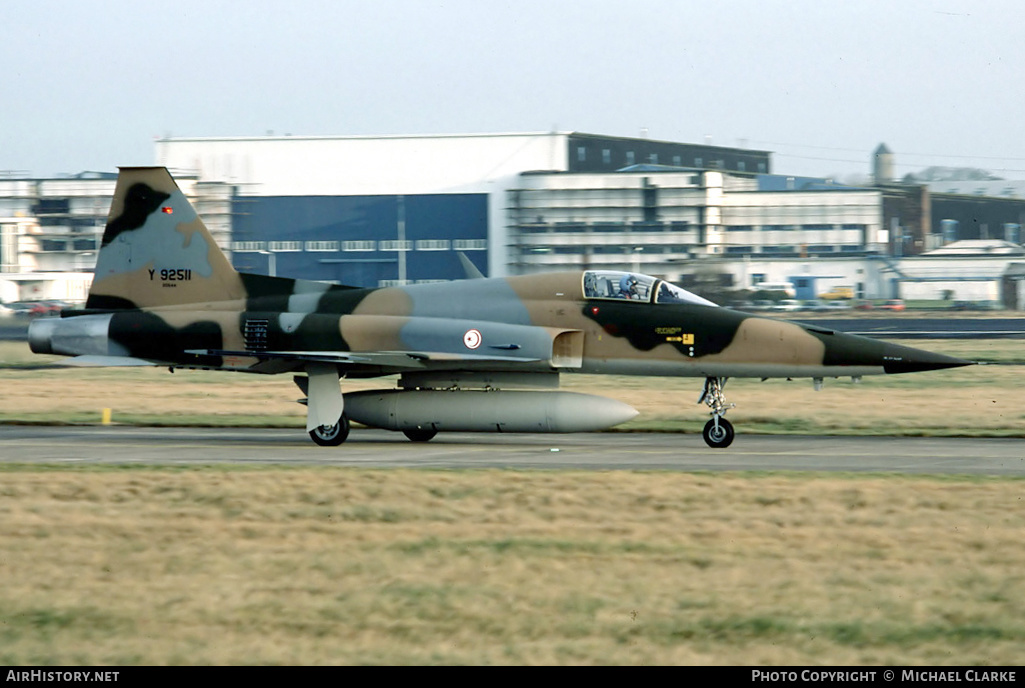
(481, 355)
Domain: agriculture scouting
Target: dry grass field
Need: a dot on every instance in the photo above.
(279, 565)
(355, 566)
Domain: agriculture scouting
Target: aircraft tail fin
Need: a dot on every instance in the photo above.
(156, 251)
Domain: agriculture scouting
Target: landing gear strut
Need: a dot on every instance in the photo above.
(718, 432)
(325, 406)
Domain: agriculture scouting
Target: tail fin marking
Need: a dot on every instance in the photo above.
(156, 251)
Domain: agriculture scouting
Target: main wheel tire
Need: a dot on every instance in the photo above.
(331, 435)
(718, 437)
(420, 434)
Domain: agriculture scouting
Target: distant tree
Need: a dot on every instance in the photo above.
(951, 174)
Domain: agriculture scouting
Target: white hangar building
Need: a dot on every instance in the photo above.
(381, 210)
(376, 210)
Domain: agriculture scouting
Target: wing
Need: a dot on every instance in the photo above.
(392, 344)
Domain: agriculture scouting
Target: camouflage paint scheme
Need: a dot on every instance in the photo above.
(164, 293)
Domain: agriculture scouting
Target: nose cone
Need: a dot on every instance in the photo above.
(906, 359)
(851, 350)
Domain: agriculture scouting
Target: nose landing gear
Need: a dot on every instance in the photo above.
(718, 432)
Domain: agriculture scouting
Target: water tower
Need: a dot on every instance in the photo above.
(882, 165)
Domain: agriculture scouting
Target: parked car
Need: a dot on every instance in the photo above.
(816, 305)
(788, 306)
(844, 293)
(32, 309)
(784, 288)
(863, 306)
(892, 305)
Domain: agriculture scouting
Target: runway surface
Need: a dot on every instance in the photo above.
(586, 451)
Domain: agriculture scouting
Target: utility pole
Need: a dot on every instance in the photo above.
(402, 238)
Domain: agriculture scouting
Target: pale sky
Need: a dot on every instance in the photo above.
(89, 85)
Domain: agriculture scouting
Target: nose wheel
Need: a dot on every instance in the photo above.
(718, 432)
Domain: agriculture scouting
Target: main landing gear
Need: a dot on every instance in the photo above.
(325, 408)
(331, 435)
(718, 432)
(420, 434)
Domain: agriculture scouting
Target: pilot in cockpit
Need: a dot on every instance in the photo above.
(628, 287)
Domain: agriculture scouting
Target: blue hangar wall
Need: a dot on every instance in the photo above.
(355, 239)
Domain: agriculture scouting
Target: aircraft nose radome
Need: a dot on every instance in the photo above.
(906, 359)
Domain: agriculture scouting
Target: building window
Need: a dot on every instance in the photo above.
(470, 244)
(761, 167)
(247, 246)
(433, 245)
(741, 166)
(359, 245)
(677, 161)
(284, 246)
(395, 245)
(581, 154)
(699, 162)
(653, 158)
(629, 157)
(606, 156)
(321, 245)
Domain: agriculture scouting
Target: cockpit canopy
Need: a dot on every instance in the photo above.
(610, 284)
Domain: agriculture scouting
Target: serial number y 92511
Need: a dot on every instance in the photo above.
(171, 274)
